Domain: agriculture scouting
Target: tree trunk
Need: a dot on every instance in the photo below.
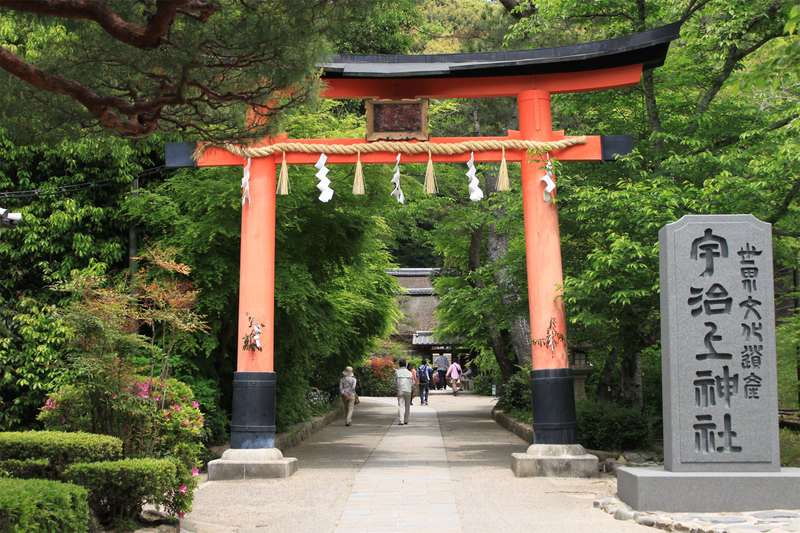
(631, 367)
(496, 338)
(510, 5)
(605, 385)
(496, 247)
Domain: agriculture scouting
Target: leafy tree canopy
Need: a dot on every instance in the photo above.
(190, 66)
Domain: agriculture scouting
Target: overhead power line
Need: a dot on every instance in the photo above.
(78, 187)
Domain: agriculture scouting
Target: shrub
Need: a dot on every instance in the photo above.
(42, 505)
(62, 449)
(789, 445)
(375, 377)
(319, 401)
(482, 384)
(516, 392)
(118, 489)
(609, 426)
(28, 468)
(154, 419)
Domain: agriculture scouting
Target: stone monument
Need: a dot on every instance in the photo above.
(720, 384)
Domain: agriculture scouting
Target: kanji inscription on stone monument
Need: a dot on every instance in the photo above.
(718, 352)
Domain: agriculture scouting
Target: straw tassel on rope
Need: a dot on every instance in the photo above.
(430, 178)
(503, 183)
(283, 178)
(358, 181)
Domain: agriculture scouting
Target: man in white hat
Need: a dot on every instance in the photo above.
(403, 383)
(347, 386)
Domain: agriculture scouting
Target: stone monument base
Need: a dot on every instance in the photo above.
(656, 489)
(554, 460)
(261, 463)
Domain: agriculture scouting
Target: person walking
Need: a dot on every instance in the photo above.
(347, 387)
(454, 376)
(403, 383)
(415, 387)
(441, 363)
(424, 376)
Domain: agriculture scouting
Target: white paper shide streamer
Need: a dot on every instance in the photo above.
(398, 192)
(475, 192)
(246, 182)
(257, 335)
(326, 193)
(548, 180)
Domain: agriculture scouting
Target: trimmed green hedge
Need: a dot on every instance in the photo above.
(610, 426)
(27, 469)
(62, 449)
(34, 505)
(117, 489)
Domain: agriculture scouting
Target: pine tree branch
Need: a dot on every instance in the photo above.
(527, 10)
(136, 35)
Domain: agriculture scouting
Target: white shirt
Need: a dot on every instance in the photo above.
(403, 380)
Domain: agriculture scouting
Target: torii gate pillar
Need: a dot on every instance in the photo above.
(253, 453)
(551, 379)
(555, 450)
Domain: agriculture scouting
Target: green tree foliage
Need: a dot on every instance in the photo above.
(459, 26)
(331, 309)
(32, 352)
(702, 147)
(193, 66)
(70, 196)
(387, 29)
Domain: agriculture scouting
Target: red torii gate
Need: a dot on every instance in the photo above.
(531, 76)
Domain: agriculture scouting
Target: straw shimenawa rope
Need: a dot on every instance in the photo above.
(395, 147)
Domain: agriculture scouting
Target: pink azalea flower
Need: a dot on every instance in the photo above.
(195, 471)
(185, 422)
(181, 514)
(183, 489)
(196, 405)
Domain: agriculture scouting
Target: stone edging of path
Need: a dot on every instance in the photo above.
(303, 430)
(778, 520)
(520, 429)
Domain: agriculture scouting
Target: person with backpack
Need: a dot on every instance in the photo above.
(424, 376)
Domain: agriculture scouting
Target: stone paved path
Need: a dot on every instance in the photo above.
(406, 473)
(448, 470)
